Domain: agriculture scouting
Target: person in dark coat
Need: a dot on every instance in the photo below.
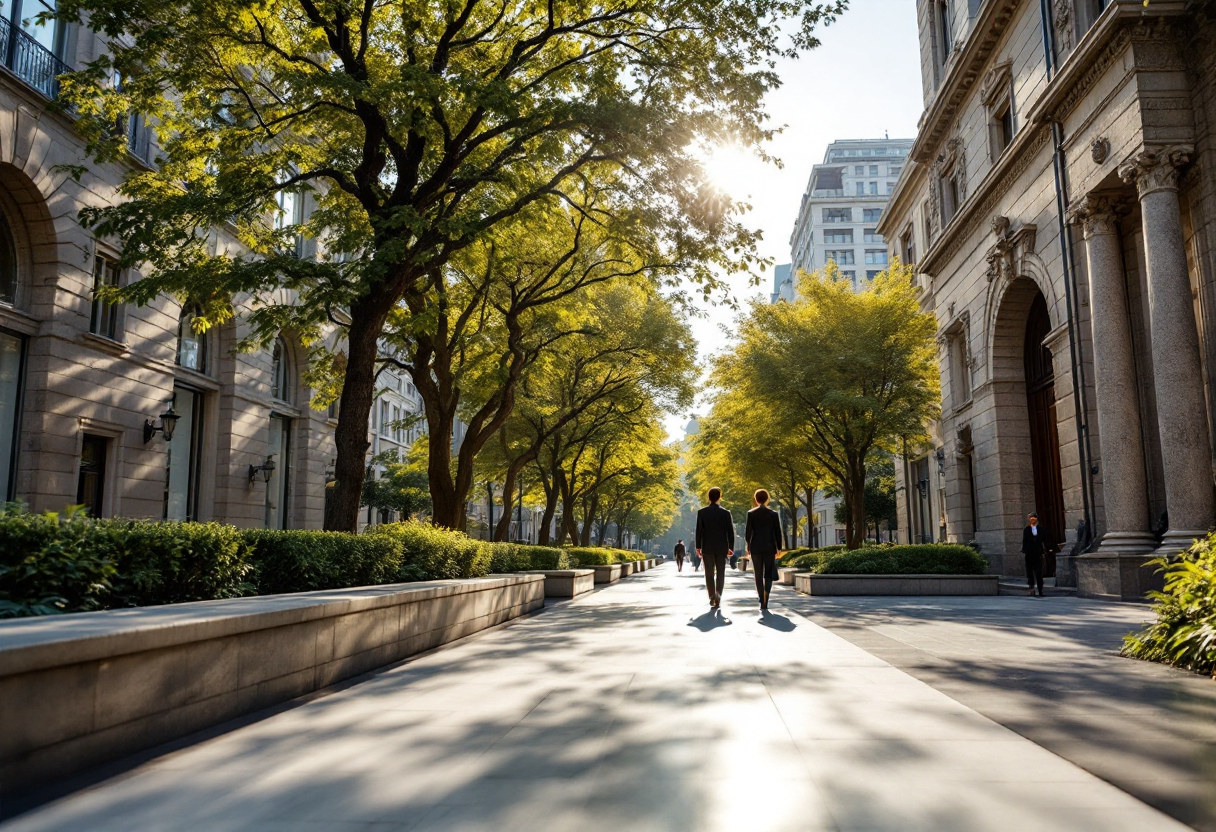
(715, 543)
(1035, 546)
(765, 538)
(680, 555)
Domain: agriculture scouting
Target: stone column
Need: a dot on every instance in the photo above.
(1123, 479)
(1186, 452)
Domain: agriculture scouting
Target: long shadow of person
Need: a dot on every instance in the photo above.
(711, 620)
(776, 622)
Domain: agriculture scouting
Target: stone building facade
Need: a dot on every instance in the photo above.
(1060, 207)
(84, 385)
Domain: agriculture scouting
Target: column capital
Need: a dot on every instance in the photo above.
(1096, 215)
(1156, 170)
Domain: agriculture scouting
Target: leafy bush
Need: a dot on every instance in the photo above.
(75, 563)
(429, 553)
(919, 559)
(47, 565)
(1184, 633)
(300, 561)
(518, 557)
(602, 555)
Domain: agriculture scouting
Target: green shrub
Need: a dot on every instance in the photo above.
(47, 566)
(300, 561)
(75, 563)
(518, 557)
(919, 559)
(1184, 634)
(592, 555)
(429, 553)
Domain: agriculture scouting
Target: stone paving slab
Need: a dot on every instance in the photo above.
(632, 708)
(1049, 669)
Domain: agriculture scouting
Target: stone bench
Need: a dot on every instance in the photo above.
(80, 690)
(566, 583)
(809, 583)
(607, 573)
(785, 575)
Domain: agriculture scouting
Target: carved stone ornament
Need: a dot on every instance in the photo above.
(1010, 249)
(1062, 13)
(996, 81)
(1100, 149)
(1156, 170)
(1096, 215)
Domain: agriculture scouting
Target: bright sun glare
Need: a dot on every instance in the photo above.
(732, 169)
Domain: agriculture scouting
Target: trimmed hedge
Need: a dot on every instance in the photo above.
(1184, 633)
(918, 559)
(519, 557)
(429, 553)
(602, 555)
(300, 561)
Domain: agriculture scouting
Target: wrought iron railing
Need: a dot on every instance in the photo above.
(30, 60)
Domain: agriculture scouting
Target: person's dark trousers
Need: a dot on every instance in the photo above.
(715, 567)
(1034, 572)
(766, 569)
(680, 562)
(734, 561)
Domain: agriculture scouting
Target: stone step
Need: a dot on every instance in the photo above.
(1013, 586)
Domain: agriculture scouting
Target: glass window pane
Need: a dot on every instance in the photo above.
(278, 488)
(182, 463)
(43, 33)
(8, 264)
(10, 398)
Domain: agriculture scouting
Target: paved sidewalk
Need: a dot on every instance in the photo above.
(1049, 669)
(631, 709)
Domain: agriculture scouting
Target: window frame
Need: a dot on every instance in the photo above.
(103, 316)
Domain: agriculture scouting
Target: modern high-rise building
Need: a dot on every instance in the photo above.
(844, 200)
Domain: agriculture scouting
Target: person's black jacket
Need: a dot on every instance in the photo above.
(715, 530)
(763, 533)
(1034, 544)
(679, 550)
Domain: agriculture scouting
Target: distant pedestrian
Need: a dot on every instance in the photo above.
(765, 538)
(715, 543)
(679, 555)
(1035, 547)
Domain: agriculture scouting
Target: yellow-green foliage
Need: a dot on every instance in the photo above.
(1184, 633)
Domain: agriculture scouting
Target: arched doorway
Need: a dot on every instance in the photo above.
(1044, 437)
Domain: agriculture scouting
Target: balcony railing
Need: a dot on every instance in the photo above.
(30, 60)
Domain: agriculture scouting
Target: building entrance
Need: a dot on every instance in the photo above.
(1044, 438)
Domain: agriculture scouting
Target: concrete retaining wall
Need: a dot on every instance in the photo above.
(607, 573)
(811, 584)
(566, 583)
(785, 575)
(80, 690)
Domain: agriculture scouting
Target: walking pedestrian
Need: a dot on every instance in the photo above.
(1035, 547)
(715, 543)
(764, 538)
(680, 555)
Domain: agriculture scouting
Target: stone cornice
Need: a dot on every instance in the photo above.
(984, 202)
(966, 69)
(1101, 46)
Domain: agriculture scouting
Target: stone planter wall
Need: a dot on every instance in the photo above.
(809, 583)
(80, 690)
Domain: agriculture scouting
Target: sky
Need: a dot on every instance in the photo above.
(863, 82)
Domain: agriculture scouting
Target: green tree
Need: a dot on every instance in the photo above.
(403, 487)
(416, 129)
(848, 373)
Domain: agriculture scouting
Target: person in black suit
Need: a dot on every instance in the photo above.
(1035, 546)
(715, 543)
(680, 555)
(765, 538)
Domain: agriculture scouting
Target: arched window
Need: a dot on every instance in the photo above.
(280, 373)
(191, 345)
(8, 264)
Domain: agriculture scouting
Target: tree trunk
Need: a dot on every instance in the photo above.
(550, 486)
(355, 405)
(855, 529)
(810, 517)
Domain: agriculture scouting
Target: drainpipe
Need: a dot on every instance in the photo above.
(1080, 405)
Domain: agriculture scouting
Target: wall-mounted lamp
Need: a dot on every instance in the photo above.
(267, 468)
(168, 423)
(923, 487)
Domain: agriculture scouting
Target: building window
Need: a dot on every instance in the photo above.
(890, 188)
(996, 91)
(12, 364)
(837, 215)
(876, 257)
(191, 345)
(838, 235)
(873, 170)
(280, 371)
(872, 236)
(907, 246)
(91, 478)
(384, 420)
(843, 257)
(872, 273)
(962, 373)
(950, 197)
(1088, 12)
(871, 214)
(861, 188)
(859, 170)
(850, 275)
(278, 489)
(396, 424)
(184, 459)
(944, 40)
(289, 215)
(104, 318)
(894, 170)
(8, 264)
(927, 215)
(33, 47)
(873, 189)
